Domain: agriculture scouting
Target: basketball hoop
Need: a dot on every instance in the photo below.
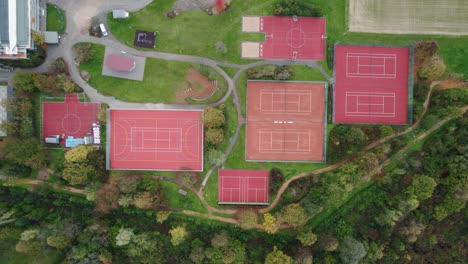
(295, 18)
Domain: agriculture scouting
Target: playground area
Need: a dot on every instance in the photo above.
(155, 140)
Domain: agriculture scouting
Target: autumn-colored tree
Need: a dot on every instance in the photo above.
(213, 118)
(294, 214)
(432, 69)
(278, 257)
(270, 223)
(178, 235)
(306, 237)
(214, 136)
(248, 219)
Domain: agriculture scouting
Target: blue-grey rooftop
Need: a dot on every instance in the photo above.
(4, 37)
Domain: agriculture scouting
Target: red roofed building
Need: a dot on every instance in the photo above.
(243, 187)
(120, 63)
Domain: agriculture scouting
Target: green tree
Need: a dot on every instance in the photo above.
(235, 253)
(28, 152)
(386, 130)
(128, 184)
(294, 214)
(307, 238)
(162, 216)
(29, 247)
(213, 118)
(328, 242)
(221, 239)
(77, 173)
(197, 255)
(278, 257)
(37, 37)
(351, 251)
(421, 187)
(78, 154)
(296, 8)
(58, 241)
(448, 206)
(125, 200)
(248, 219)
(214, 136)
(178, 235)
(145, 248)
(270, 223)
(215, 157)
(24, 82)
(124, 236)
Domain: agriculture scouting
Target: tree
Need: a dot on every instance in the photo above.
(197, 255)
(58, 66)
(421, 187)
(234, 253)
(78, 154)
(24, 82)
(296, 8)
(213, 118)
(270, 223)
(37, 37)
(58, 241)
(412, 230)
(128, 184)
(215, 157)
(283, 73)
(28, 247)
(107, 198)
(214, 136)
(84, 52)
(328, 242)
(425, 50)
(432, 69)
(307, 238)
(187, 178)
(124, 236)
(220, 47)
(386, 130)
(143, 200)
(448, 206)
(28, 152)
(248, 219)
(162, 216)
(294, 214)
(146, 248)
(278, 257)
(77, 173)
(351, 251)
(178, 235)
(125, 200)
(220, 240)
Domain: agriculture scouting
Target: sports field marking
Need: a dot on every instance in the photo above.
(370, 104)
(285, 101)
(156, 139)
(244, 189)
(284, 141)
(371, 65)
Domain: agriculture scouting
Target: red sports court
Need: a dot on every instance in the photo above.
(301, 38)
(292, 38)
(243, 187)
(371, 84)
(71, 117)
(155, 140)
(285, 121)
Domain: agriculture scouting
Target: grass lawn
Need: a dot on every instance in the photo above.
(177, 200)
(211, 190)
(230, 71)
(162, 80)
(193, 33)
(56, 20)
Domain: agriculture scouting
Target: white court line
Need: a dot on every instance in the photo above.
(297, 102)
(357, 95)
(359, 74)
(134, 131)
(269, 133)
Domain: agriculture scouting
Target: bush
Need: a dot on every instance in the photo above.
(83, 52)
(432, 69)
(248, 219)
(296, 8)
(283, 73)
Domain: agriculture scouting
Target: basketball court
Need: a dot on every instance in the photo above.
(294, 38)
(155, 140)
(243, 187)
(285, 121)
(372, 84)
(69, 118)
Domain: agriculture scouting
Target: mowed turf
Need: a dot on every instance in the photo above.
(444, 17)
(162, 80)
(193, 33)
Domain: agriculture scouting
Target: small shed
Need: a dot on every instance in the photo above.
(119, 13)
(51, 37)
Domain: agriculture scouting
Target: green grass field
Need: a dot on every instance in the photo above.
(193, 33)
(162, 81)
(177, 200)
(56, 20)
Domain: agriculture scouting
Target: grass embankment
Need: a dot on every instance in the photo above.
(56, 19)
(162, 81)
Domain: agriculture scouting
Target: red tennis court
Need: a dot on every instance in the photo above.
(371, 84)
(301, 38)
(71, 117)
(243, 187)
(156, 140)
(285, 121)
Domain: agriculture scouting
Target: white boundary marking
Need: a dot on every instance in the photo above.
(135, 131)
(357, 95)
(383, 56)
(243, 189)
(272, 93)
(300, 134)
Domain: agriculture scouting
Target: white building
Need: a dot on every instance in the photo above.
(17, 19)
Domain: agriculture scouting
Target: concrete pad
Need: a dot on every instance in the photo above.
(136, 74)
(250, 50)
(250, 24)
